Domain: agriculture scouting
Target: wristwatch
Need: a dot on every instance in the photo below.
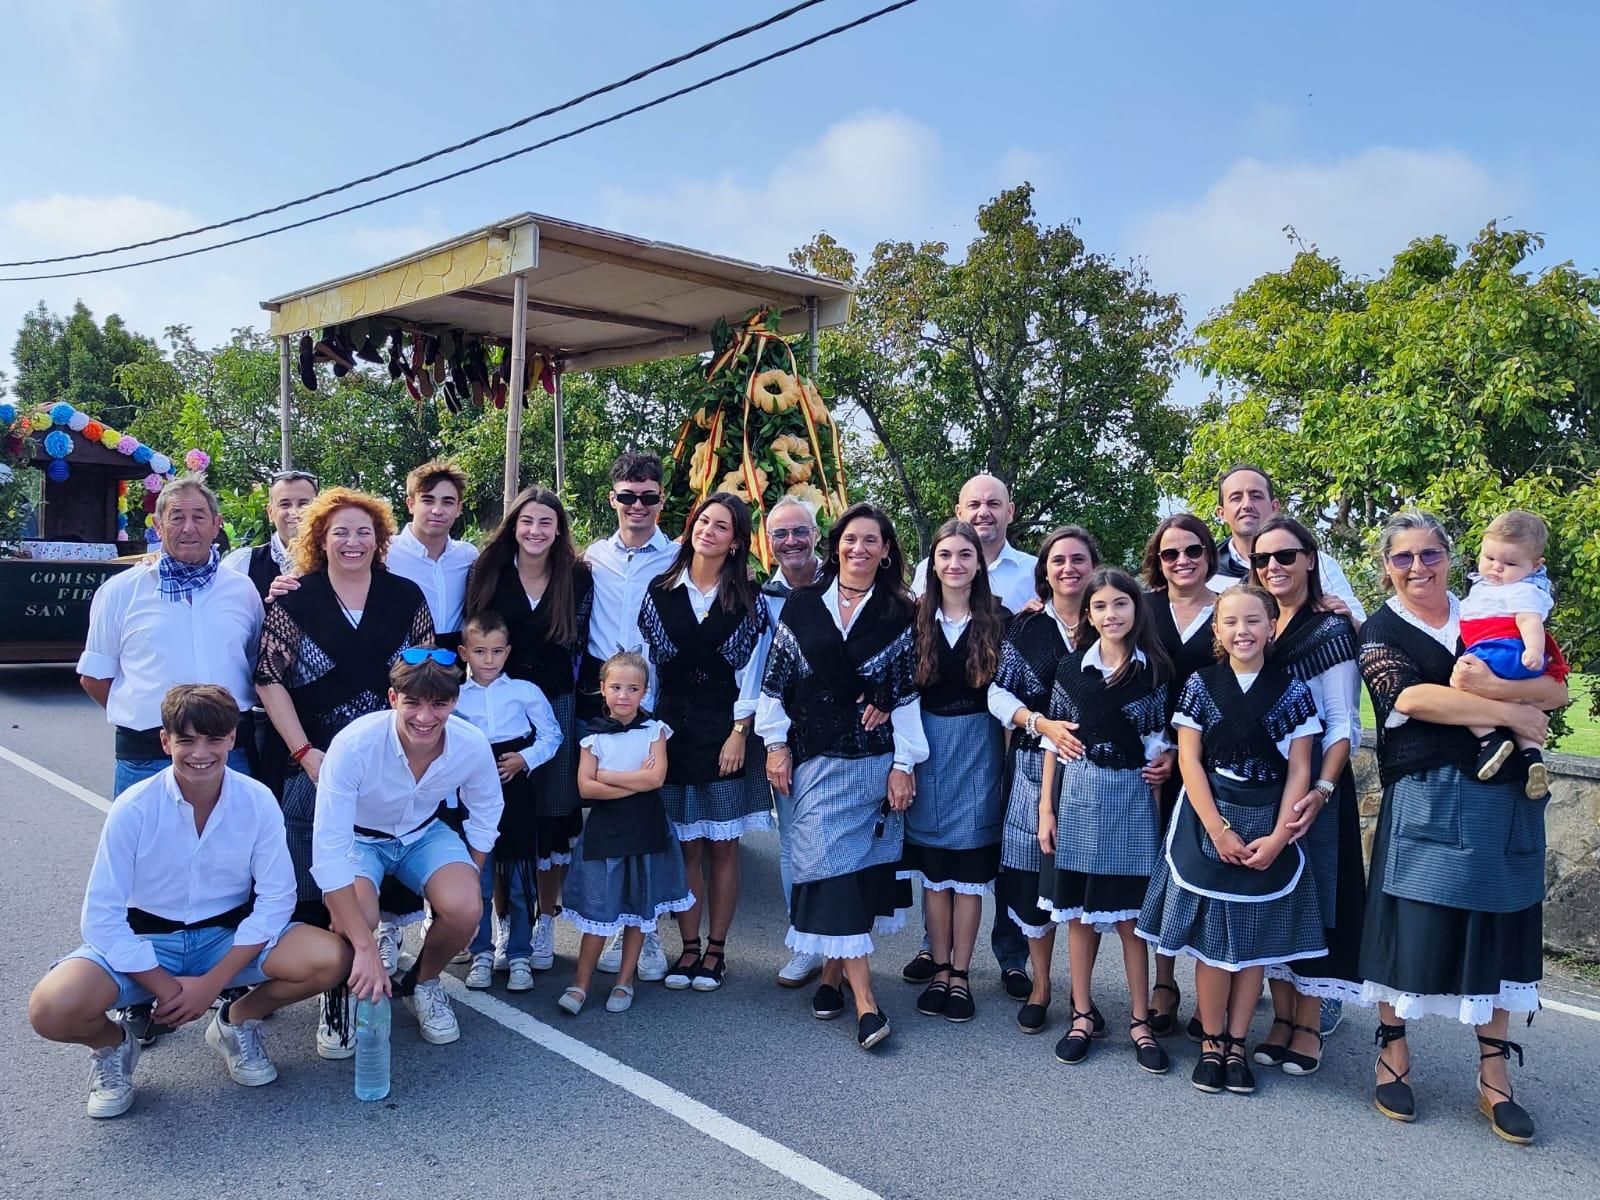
(742, 726)
(1326, 787)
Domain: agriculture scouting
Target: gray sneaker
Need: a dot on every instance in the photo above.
(1330, 1014)
(435, 1018)
(652, 960)
(111, 1076)
(243, 1050)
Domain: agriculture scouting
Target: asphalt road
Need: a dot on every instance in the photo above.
(738, 1092)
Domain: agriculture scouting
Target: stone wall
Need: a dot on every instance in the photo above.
(1572, 824)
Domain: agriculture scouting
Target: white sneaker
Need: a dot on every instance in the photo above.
(431, 1007)
(482, 973)
(521, 976)
(243, 1050)
(652, 959)
(111, 1076)
(329, 1043)
(800, 970)
(389, 946)
(544, 944)
(611, 957)
(502, 939)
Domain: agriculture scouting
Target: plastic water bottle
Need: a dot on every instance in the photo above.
(372, 1049)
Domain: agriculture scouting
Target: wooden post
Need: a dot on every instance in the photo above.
(811, 328)
(519, 367)
(285, 458)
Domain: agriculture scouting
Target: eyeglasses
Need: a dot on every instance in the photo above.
(629, 499)
(803, 533)
(417, 655)
(1403, 559)
(293, 477)
(1284, 558)
(1192, 550)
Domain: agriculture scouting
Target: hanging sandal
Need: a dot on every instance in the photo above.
(1237, 1076)
(684, 970)
(1507, 1118)
(959, 1008)
(1394, 1099)
(1295, 1063)
(1268, 1055)
(1073, 1048)
(1147, 1051)
(936, 995)
(709, 979)
(1165, 1024)
(1209, 1073)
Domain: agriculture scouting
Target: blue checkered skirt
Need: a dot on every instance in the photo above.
(1019, 841)
(723, 810)
(1105, 821)
(957, 806)
(603, 895)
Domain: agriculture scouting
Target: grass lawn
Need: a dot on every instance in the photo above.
(1584, 737)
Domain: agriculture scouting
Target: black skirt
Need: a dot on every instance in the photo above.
(1016, 893)
(1092, 899)
(970, 872)
(1336, 975)
(836, 917)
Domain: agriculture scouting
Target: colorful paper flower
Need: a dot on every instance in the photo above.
(8, 413)
(197, 460)
(142, 455)
(61, 412)
(122, 535)
(58, 443)
(160, 464)
(42, 419)
(127, 444)
(94, 431)
(109, 438)
(56, 470)
(79, 422)
(153, 483)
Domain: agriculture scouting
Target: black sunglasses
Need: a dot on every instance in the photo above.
(1192, 550)
(1284, 558)
(417, 655)
(1430, 557)
(629, 499)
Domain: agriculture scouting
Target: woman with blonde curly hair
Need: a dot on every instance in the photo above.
(327, 643)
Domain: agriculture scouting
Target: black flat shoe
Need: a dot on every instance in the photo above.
(308, 374)
(828, 1003)
(1032, 1018)
(1268, 1055)
(959, 1006)
(1237, 1077)
(1165, 1024)
(1493, 751)
(1537, 786)
(1210, 1076)
(872, 1030)
(1073, 1048)
(1295, 1063)
(1147, 1051)
(1017, 984)
(936, 995)
(1098, 1019)
(1507, 1118)
(709, 978)
(681, 975)
(920, 969)
(1394, 1099)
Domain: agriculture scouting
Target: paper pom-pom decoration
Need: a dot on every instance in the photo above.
(142, 455)
(127, 444)
(56, 471)
(94, 431)
(197, 460)
(61, 412)
(58, 443)
(109, 438)
(79, 422)
(122, 504)
(160, 464)
(42, 419)
(153, 483)
(122, 535)
(150, 502)
(8, 413)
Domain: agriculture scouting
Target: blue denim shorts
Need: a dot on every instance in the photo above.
(187, 952)
(414, 863)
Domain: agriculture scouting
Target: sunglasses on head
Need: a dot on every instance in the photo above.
(1192, 550)
(629, 499)
(1284, 558)
(417, 655)
(292, 477)
(1430, 557)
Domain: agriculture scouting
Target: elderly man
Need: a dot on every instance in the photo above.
(176, 619)
(289, 494)
(792, 531)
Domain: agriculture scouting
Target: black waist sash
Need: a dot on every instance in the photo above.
(635, 824)
(518, 820)
(1252, 810)
(133, 744)
(384, 833)
(144, 923)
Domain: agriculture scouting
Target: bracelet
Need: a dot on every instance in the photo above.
(1032, 725)
(1226, 825)
(300, 754)
(773, 747)
(1326, 787)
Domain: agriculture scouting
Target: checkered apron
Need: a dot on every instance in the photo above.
(1105, 821)
(957, 806)
(840, 823)
(1019, 836)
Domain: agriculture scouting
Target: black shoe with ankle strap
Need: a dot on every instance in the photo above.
(936, 995)
(1210, 1074)
(1394, 1099)
(1147, 1051)
(1506, 1117)
(959, 1007)
(708, 978)
(682, 973)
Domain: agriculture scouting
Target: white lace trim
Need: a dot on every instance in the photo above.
(1322, 987)
(1469, 1010)
(723, 831)
(856, 945)
(1103, 922)
(1155, 940)
(947, 885)
(643, 924)
(1033, 932)
(555, 860)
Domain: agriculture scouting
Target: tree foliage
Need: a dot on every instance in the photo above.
(75, 359)
(1034, 359)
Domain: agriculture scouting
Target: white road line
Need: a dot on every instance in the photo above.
(1572, 1010)
(775, 1156)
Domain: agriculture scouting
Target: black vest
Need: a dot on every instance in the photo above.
(263, 569)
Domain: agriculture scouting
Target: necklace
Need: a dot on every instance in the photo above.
(850, 601)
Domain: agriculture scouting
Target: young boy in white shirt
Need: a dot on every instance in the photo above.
(190, 894)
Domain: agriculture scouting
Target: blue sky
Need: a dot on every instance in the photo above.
(1184, 134)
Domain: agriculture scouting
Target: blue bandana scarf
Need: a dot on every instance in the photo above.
(181, 580)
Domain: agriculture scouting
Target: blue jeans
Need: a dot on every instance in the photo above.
(135, 770)
(519, 909)
(187, 952)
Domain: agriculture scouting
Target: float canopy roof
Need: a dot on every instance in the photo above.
(595, 298)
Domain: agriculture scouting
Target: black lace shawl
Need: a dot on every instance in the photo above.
(1112, 719)
(1029, 656)
(1239, 729)
(1394, 656)
(1314, 642)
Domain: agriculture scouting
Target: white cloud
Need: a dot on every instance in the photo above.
(75, 223)
(1362, 209)
(380, 243)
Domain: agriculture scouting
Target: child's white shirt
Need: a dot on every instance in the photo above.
(1485, 599)
(626, 751)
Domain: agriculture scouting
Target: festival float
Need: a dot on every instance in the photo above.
(98, 486)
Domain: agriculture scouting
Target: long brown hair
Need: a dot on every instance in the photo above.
(500, 551)
(986, 630)
(891, 575)
(1142, 636)
(736, 592)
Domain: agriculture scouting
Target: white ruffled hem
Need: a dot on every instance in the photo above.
(1322, 988)
(1103, 922)
(644, 924)
(946, 885)
(1032, 932)
(1469, 1010)
(856, 945)
(723, 831)
(1276, 960)
(555, 860)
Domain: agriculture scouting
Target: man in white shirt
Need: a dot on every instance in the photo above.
(623, 566)
(289, 494)
(379, 795)
(425, 553)
(178, 619)
(190, 894)
(985, 504)
(1244, 501)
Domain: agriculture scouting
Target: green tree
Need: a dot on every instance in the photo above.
(1461, 382)
(1034, 359)
(75, 359)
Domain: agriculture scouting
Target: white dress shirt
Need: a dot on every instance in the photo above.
(147, 645)
(622, 575)
(1310, 727)
(905, 722)
(1010, 578)
(1333, 579)
(366, 780)
(239, 560)
(746, 678)
(150, 857)
(505, 708)
(952, 628)
(443, 580)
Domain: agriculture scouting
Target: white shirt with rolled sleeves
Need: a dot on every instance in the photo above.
(622, 575)
(443, 580)
(1010, 578)
(147, 644)
(151, 857)
(505, 708)
(1333, 579)
(905, 722)
(366, 780)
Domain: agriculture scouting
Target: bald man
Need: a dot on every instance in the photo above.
(985, 504)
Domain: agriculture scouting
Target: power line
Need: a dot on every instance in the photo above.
(427, 183)
(774, 19)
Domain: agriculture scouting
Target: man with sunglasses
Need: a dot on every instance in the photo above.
(377, 816)
(1244, 501)
(289, 494)
(623, 566)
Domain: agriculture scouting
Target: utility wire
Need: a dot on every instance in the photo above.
(774, 19)
(427, 183)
